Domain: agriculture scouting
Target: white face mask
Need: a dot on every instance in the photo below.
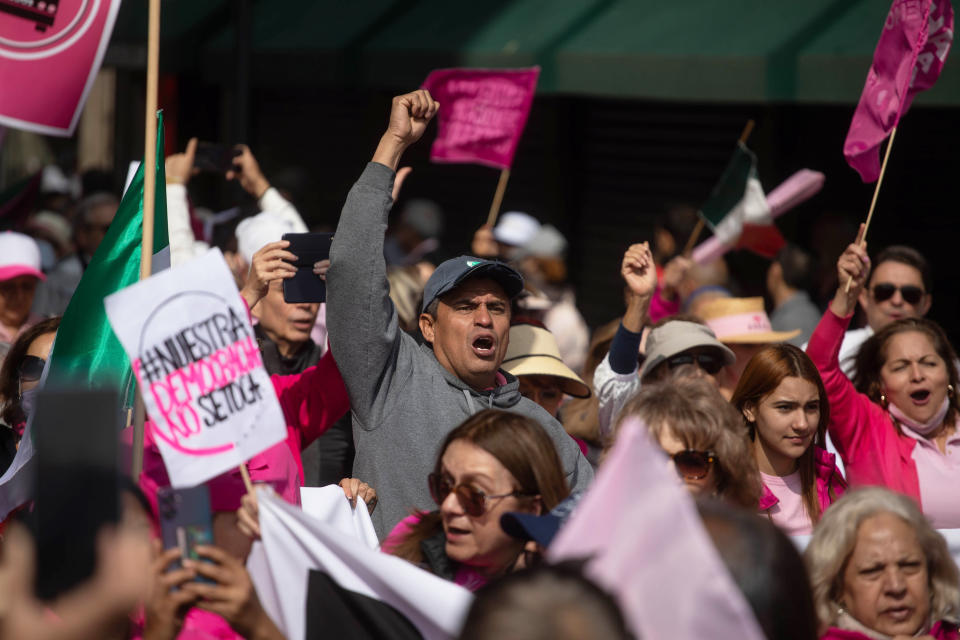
(923, 428)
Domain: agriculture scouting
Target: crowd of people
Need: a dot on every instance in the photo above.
(465, 404)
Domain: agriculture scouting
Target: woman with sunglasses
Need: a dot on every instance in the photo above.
(785, 407)
(702, 435)
(495, 462)
(895, 425)
(19, 377)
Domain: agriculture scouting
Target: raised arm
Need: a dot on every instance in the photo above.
(247, 172)
(184, 245)
(361, 320)
(615, 379)
(849, 409)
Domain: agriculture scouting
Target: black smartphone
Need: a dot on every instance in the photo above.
(309, 248)
(185, 520)
(215, 157)
(75, 435)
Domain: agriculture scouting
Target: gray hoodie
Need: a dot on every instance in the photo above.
(403, 401)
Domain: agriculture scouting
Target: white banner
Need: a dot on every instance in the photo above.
(197, 362)
(294, 543)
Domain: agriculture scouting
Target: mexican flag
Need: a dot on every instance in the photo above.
(86, 353)
(737, 210)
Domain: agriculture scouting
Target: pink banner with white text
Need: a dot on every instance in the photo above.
(911, 51)
(50, 52)
(482, 113)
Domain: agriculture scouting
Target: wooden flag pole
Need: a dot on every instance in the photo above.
(701, 223)
(498, 197)
(245, 474)
(873, 202)
(149, 193)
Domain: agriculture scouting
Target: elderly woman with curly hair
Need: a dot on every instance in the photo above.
(879, 570)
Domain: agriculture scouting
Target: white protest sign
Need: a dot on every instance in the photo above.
(196, 358)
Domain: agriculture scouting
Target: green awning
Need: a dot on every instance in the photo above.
(686, 50)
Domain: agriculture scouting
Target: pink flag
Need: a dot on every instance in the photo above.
(909, 56)
(648, 547)
(482, 113)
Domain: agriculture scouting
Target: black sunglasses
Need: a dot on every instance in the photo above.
(31, 368)
(473, 501)
(706, 361)
(694, 464)
(910, 293)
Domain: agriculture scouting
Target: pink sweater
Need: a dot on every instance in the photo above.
(873, 449)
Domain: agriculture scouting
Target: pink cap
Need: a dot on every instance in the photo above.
(19, 256)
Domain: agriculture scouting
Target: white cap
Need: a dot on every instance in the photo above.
(19, 256)
(547, 242)
(516, 228)
(256, 231)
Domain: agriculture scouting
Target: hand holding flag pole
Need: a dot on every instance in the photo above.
(910, 54)
(485, 113)
(697, 230)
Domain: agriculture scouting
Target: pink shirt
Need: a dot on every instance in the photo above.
(939, 476)
(788, 513)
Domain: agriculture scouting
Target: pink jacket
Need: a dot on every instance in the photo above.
(828, 477)
(311, 401)
(940, 631)
(873, 449)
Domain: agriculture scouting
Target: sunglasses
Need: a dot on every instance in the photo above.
(693, 464)
(473, 501)
(706, 361)
(31, 368)
(911, 294)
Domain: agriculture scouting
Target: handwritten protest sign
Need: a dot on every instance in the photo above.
(50, 52)
(195, 356)
(482, 113)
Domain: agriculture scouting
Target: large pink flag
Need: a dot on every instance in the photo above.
(482, 113)
(648, 547)
(909, 56)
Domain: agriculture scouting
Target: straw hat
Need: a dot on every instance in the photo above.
(533, 351)
(742, 321)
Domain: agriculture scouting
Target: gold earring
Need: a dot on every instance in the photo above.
(883, 399)
(950, 390)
